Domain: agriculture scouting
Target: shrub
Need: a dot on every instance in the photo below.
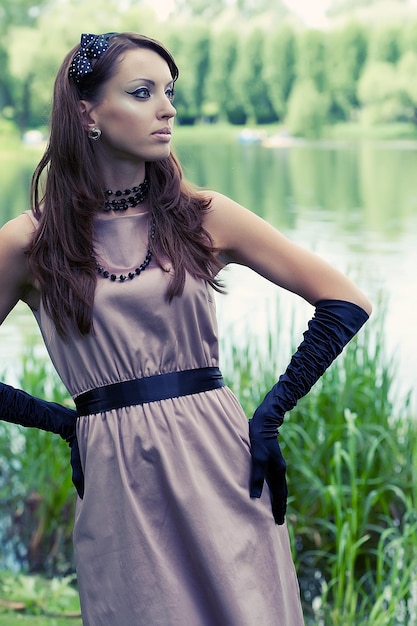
(307, 110)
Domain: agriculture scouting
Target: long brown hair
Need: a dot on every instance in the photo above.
(67, 191)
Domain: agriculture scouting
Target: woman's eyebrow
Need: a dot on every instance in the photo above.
(149, 81)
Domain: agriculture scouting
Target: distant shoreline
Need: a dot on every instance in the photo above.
(223, 132)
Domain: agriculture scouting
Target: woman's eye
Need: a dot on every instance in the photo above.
(141, 92)
(170, 94)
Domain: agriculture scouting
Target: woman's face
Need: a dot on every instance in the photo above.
(135, 111)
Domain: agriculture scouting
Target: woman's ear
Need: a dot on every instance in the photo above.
(87, 114)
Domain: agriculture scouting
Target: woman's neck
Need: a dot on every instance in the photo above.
(119, 177)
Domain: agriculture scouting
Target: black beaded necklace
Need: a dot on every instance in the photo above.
(137, 271)
(136, 195)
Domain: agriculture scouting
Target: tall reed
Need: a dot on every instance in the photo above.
(36, 492)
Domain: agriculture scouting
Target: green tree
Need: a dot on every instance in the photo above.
(17, 13)
(248, 81)
(307, 110)
(347, 53)
(192, 56)
(311, 58)
(279, 66)
(20, 13)
(407, 72)
(34, 54)
(380, 93)
(219, 94)
(409, 38)
(6, 95)
(386, 43)
(24, 46)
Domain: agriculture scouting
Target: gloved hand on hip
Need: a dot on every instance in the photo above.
(333, 325)
(19, 407)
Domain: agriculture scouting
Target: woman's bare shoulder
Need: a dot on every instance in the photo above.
(16, 234)
(15, 281)
(227, 220)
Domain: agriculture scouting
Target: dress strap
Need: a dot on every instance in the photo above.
(148, 389)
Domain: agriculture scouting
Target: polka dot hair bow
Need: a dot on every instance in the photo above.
(91, 47)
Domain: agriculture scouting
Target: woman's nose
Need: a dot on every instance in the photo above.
(167, 109)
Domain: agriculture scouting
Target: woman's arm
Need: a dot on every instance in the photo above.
(340, 311)
(243, 237)
(15, 280)
(17, 406)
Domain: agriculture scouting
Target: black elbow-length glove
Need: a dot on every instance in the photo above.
(333, 325)
(18, 407)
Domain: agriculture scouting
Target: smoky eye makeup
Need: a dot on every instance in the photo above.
(140, 92)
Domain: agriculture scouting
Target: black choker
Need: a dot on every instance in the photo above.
(136, 272)
(139, 194)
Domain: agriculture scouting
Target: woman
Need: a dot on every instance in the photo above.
(118, 260)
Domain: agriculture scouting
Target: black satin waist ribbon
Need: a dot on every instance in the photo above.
(148, 389)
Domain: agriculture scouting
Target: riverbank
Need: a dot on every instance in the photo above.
(221, 132)
(351, 131)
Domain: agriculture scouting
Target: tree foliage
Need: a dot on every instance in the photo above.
(249, 84)
(307, 110)
(407, 72)
(192, 56)
(386, 43)
(220, 100)
(311, 58)
(388, 93)
(346, 57)
(379, 92)
(231, 68)
(409, 37)
(19, 12)
(279, 67)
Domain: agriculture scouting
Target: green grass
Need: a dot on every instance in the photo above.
(206, 133)
(38, 600)
(13, 619)
(346, 131)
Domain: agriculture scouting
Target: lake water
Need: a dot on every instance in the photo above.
(353, 203)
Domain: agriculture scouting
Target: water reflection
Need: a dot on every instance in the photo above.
(353, 203)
